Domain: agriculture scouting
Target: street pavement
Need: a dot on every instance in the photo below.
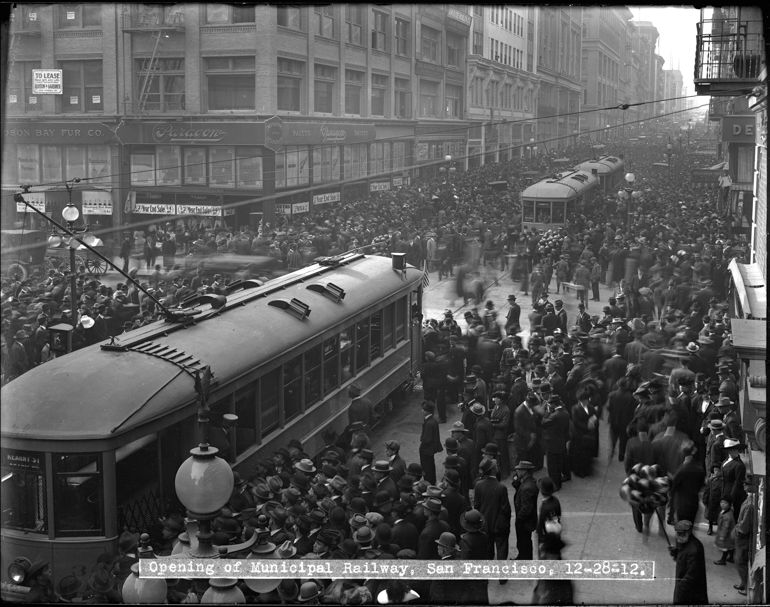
(596, 523)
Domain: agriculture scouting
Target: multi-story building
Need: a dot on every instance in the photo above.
(731, 67)
(225, 111)
(502, 82)
(648, 36)
(604, 77)
(558, 67)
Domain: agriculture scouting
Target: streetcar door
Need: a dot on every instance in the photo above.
(415, 306)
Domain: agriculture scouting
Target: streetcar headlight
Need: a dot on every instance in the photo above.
(17, 571)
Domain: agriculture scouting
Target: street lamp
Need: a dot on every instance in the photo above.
(608, 132)
(669, 155)
(139, 590)
(449, 169)
(627, 194)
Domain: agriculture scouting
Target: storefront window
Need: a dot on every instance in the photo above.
(331, 350)
(78, 494)
(142, 169)
(222, 159)
(195, 166)
(249, 167)
(326, 164)
(169, 163)
(29, 164)
(76, 161)
(22, 493)
(99, 165)
(52, 165)
(292, 167)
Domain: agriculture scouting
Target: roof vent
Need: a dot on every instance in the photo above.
(399, 261)
(295, 307)
(329, 290)
(242, 285)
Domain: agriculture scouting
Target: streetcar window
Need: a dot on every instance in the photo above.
(268, 401)
(346, 353)
(22, 492)
(246, 410)
(544, 212)
(78, 494)
(312, 376)
(331, 364)
(387, 325)
(558, 212)
(362, 344)
(529, 211)
(138, 495)
(376, 323)
(401, 319)
(292, 389)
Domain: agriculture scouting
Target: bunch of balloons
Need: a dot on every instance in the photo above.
(645, 488)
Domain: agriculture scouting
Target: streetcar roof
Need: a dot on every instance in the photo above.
(565, 185)
(94, 393)
(604, 165)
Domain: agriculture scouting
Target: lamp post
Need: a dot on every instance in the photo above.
(627, 194)
(448, 169)
(70, 214)
(669, 155)
(608, 132)
(146, 591)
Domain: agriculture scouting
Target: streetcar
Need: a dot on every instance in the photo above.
(609, 169)
(550, 203)
(91, 441)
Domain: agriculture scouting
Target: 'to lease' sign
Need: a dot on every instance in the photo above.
(47, 82)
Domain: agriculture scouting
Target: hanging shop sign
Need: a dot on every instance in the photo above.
(300, 207)
(198, 209)
(46, 82)
(196, 133)
(738, 129)
(326, 198)
(155, 209)
(97, 203)
(398, 182)
(283, 209)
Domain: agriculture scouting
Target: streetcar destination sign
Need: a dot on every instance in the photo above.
(46, 82)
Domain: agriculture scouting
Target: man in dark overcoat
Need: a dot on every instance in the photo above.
(430, 442)
(490, 498)
(691, 587)
(555, 438)
(525, 506)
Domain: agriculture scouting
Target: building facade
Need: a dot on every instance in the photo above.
(502, 82)
(230, 112)
(559, 43)
(647, 43)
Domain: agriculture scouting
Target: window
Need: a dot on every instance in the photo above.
(346, 352)
(246, 410)
(478, 43)
(331, 352)
(478, 10)
(169, 165)
(312, 376)
(80, 15)
(401, 319)
(20, 97)
(379, 94)
(362, 344)
(291, 167)
(222, 159)
(402, 37)
(454, 50)
(355, 23)
(379, 31)
(292, 389)
(78, 494)
(376, 334)
(248, 167)
(379, 158)
(323, 90)
(403, 98)
(429, 98)
(355, 159)
(324, 21)
(399, 155)
(387, 322)
(195, 166)
(430, 45)
(23, 495)
(231, 83)
(82, 90)
(268, 401)
(152, 15)
(454, 101)
(289, 85)
(354, 83)
(163, 84)
(223, 13)
(326, 164)
(290, 16)
(142, 169)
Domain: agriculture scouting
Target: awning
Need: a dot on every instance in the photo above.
(750, 288)
(749, 338)
(741, 187)
(718, 167)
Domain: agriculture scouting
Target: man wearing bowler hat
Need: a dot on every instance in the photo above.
(525, 507)
(430, 442)
(512, 326)
(397, 463)
(733, 473)
(381, 471)
(733, 427)
(432, 531)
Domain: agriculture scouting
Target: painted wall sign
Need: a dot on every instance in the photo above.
(57, 132)
(738, 129)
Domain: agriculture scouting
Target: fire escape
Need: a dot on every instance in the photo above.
(730, 52)
(157, 90)
(25, 22)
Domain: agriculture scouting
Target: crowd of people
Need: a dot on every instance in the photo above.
(657, 362)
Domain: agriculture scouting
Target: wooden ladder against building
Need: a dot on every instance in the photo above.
(151, 67)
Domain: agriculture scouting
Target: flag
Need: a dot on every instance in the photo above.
(425, 279)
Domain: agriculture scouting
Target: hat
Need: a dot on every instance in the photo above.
(382, 466)
(478, 409)
(308, 591)
(363, 535)
(524, 465)
(366, 454)
(414, 469)
(284, 452)
(305, 465)
(433, 504)
(428, 406)
(545, 387)
(511, 297)
(683, 526)
(487, 465)
(358, 505)
(732, 443)
(356, 427)
(102, 581)
(582, 306)
(349, 547)
(451, 475)
(406, 482)
(286, 550)
(393, 445)
(546, 486)
(693, 347)
(357, 521)
(382, 497)
(447, 540)
(491, 449)
(716, 424)
(69, 585)
(724, 401)
(472, 520)
(458, 427)
(354, 390)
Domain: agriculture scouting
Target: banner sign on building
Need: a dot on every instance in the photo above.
(379, 186)
(326, 198)
(198, 209)
(738, 129)
(300, 207)
(283, 209)
(154, 209)
(36, 199)
(398, 181)
(97, 203)
(46, 82)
